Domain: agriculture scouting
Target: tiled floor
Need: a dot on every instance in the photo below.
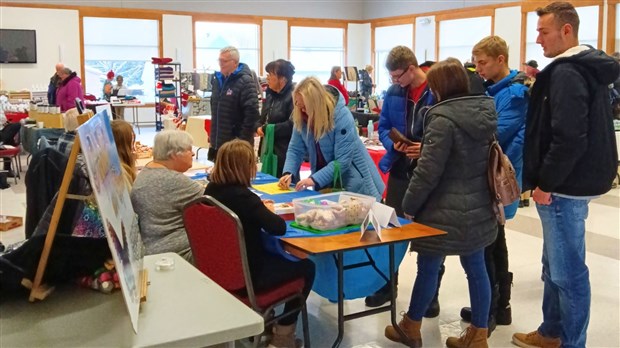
(524, 242)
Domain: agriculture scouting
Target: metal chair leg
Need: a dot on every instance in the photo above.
(304, 323)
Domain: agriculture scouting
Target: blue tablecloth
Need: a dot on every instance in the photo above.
(358, 282)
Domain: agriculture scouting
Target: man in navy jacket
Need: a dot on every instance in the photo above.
(570, 158)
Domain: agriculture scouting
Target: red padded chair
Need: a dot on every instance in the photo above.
(216, 237)
(12, 154)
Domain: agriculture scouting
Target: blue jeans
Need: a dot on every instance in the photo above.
(566, 298)
(425, 286)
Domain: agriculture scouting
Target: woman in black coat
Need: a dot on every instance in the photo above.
(234, 169)
(449, 191)
(277, 108)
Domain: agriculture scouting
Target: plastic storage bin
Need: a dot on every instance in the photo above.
(332, 211)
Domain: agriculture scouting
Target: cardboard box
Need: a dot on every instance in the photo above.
(10, 222)
(49, 120)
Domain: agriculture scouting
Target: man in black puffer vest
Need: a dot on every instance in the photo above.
(234, 102)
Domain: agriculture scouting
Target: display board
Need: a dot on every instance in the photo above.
(112, 194)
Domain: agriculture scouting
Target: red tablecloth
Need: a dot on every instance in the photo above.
(376, 156)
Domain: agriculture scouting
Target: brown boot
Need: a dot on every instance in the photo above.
(535, 339)
(410, 327)
(284, 337)
(473, 337)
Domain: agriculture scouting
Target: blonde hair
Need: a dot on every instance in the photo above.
(235, 164)
(124, 138)
(319, 107)
(493, 46)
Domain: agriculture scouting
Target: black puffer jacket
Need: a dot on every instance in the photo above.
(234, 107)
(277, 109)
(449, 188)
(570, 146)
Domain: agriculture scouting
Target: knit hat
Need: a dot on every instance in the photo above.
(110, 75)
(532, 63)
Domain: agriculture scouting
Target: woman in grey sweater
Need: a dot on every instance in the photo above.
(160, 192)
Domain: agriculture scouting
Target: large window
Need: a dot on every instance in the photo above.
(107, 46)
(588, 33)
(452, 42)
(314, 51)
(387, 38)
(213, 36)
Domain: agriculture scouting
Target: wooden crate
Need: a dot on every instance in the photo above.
(49, 120)
(10, 222)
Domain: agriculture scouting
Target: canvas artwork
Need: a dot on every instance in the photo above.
(112, 195)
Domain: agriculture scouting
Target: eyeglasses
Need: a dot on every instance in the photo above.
(397, 77)
(221, 61)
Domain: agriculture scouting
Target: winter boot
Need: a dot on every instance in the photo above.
(472, 337)
(410, 327)
(534, 339)
(433, 309)
(466, 311)
(284, 336)
(382, 295)
(503, 314)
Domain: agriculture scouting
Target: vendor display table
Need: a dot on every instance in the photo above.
(184, 308)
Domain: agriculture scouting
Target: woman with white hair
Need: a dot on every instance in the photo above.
(161, 191)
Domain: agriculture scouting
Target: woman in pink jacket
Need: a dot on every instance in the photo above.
(69, 89)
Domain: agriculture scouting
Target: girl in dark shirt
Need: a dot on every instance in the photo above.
(235, 166)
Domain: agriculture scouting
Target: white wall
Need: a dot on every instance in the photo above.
(382, 8)
(425, 39)
(57, 40)
(343, 9)
(177, 40)
(508, 27)
(274, 41)
(358, 45)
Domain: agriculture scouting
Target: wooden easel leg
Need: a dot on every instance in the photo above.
(39, 292)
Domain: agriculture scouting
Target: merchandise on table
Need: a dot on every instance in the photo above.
(332, 211)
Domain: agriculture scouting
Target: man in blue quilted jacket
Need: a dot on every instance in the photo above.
(511, 100)
(234, 102)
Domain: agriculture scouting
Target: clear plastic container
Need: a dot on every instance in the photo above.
(332, 210)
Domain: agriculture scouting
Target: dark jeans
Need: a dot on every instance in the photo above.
(425, 286)
(8, 133)
(276, 270)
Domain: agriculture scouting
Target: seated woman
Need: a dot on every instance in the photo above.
(235, 166)
(161, 191)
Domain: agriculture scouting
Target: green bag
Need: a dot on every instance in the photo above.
(337, 185)
(268, 159)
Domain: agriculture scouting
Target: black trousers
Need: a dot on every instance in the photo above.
(7, 136)
(496, 256)
(276, 270)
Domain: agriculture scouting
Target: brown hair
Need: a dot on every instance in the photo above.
(563, 13)
(448, 79)
(400, 57)
(235, 164)
(493, 46)
(124, 137)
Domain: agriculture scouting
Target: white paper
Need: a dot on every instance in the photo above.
(370, 235)
(385, 215)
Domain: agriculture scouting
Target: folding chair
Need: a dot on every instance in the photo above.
(216, 237)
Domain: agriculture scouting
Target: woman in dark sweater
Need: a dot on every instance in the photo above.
(449, 191)
(235, 166)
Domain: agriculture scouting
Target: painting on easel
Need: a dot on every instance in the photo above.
(112, 195)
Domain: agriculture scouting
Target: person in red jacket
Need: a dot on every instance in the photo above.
(334, 80)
